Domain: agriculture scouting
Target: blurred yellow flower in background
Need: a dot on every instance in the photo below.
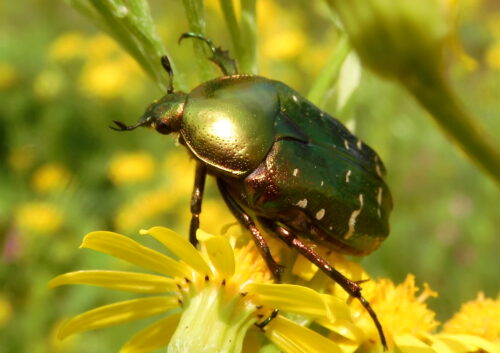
(130, 168)
(38, 217)
(5, 310)
(143, 208)
(50, 177)
(48, 84)
(284, 44)
(8, 75)
(493, 56)
(69, 45)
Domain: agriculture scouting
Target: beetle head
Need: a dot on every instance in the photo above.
(163, 115)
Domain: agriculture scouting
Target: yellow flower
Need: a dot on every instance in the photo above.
(108, 79)
(109, 72)
(38, 217)
(493, 56)
(284, 44)
(5, 310)
(479, 317)
(408, 323)
(131, 168)
(49, 177)
(144, 208)
(68, 46)
(8, 75)
(209, 298)
(48, 84)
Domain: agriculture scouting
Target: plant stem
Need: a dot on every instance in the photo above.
(248, 25)
(330, 72)
(196, 19)
(435, 94)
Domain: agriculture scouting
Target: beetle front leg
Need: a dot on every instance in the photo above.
(259, 240)
(196, 199)
(351, 287)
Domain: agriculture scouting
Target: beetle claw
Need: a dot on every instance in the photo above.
(121, 126)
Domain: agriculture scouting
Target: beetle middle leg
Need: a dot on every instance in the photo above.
(196, 199)
(351, 287)
(259, 240)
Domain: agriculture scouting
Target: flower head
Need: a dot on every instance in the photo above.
(209, 299)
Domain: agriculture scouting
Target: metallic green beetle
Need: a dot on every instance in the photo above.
(281, 164)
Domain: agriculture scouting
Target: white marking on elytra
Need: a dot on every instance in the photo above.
(295, 172)
(352, 220)
(379, 196)
(320, 214)
(347, 175)
(358, 145)
(378, 213)
(302, 203)
(295, 99)
(378, 170)
(322, 183)
(346, 144)
(276, 123)
(330, 227)
(321, 115)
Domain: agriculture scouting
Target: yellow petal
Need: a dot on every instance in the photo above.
(293, 338)
(180, 247)
(473, 343)
(221, 255)
(152, 337)
(345, 328)
(131, 251)
(126, 281)
(117, 313)
(299, 300)
(411, 344)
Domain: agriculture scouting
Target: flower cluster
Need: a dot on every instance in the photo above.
(211, 298)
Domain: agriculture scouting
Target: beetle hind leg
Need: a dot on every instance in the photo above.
(351, 287)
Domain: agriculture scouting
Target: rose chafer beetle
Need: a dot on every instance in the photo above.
(281, 165)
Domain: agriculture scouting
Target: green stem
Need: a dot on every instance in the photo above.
(330, 72)
(212, 322)
(196, 19)
(435, 94)
(232, 24)
(248, 25)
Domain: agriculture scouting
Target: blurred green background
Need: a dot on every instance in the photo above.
(63, 173)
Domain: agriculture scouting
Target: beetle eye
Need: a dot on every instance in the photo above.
(162, 127)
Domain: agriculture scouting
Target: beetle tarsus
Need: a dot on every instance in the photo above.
(220, 57)
(266, 321)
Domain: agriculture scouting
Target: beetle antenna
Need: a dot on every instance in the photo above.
(123, 127)
(165, 62)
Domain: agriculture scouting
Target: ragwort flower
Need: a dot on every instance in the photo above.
(209, 298)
